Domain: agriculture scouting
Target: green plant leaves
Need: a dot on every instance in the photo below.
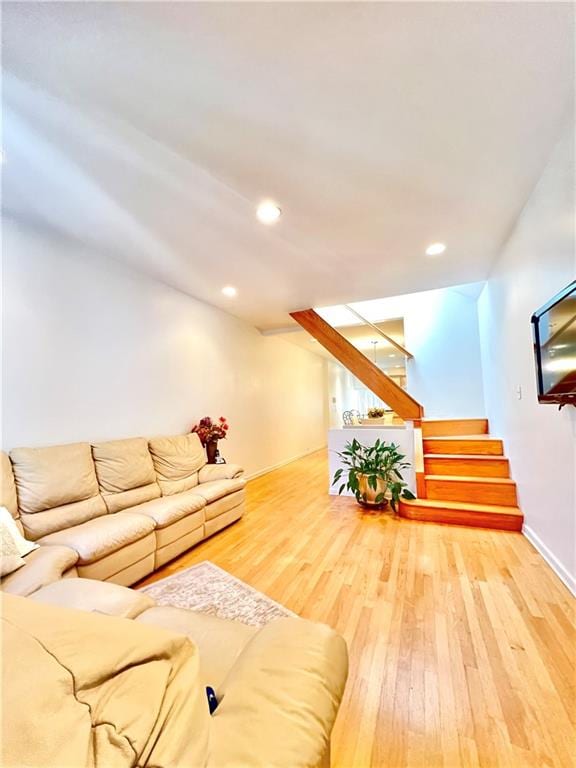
(379, 462)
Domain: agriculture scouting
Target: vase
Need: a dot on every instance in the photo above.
(370, 493)
(212, 451)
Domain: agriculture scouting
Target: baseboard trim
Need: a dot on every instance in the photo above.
(283, 463)
(565, 577)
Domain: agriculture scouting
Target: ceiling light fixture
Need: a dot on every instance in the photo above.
(435, 249)
(229, 291)
(268, 212)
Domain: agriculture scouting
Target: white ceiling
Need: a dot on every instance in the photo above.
(151, 130)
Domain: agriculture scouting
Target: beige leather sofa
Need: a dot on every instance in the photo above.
(125, 507)
(119, 681)
(109, 691)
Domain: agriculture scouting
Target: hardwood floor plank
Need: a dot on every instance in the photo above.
(462, 641)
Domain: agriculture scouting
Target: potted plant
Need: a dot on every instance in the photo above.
(209, 433)
(373, 473)
(376, 415)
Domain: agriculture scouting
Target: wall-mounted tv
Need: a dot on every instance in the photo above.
(554, 327)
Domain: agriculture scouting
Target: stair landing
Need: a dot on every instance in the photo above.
(461, 513)
(466, 478)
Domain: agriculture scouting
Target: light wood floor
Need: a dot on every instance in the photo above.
(462, 641)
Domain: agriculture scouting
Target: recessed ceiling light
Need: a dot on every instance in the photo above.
(391, 355)
(268, 212)
(435, 249)
(229, 291)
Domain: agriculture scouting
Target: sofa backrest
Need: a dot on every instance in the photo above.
(57, 487)
(125, 473)
(8, 497)
(177, 461)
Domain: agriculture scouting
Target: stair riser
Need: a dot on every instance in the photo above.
(455, 517)
(459, 465)
(455, 427)
(475, 493)
(465, 447)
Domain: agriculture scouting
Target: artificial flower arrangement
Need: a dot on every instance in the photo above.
(208, 431)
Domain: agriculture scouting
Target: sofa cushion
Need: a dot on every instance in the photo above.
(95, 596)
(43, 566)
(57, 487)
(216, 489)
(177, 461)
(169, 509)
(43, 523)
(97, 538)
(219, 641)
(125, 473)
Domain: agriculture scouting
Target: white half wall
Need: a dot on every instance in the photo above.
(537, 262)
(95, 351)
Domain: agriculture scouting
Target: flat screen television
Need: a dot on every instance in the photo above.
(554, 327)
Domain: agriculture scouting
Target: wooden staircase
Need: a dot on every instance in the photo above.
(466, 478)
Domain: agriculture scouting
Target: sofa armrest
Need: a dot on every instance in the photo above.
(43, 566)
(211, 472)
(279, 701)
(95, 596)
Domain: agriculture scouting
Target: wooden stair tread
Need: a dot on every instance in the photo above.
(471, 479)
(482, 436)
(463, 506)
(467, 418)
(464, 456)
(438, 427)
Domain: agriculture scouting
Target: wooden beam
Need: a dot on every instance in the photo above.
(359, 365)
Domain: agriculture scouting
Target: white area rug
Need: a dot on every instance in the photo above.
(209, 589)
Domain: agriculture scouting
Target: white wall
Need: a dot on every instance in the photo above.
(93, 351)
(441, 331)
(537, 261)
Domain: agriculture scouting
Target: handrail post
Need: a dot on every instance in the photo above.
(419, 460)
